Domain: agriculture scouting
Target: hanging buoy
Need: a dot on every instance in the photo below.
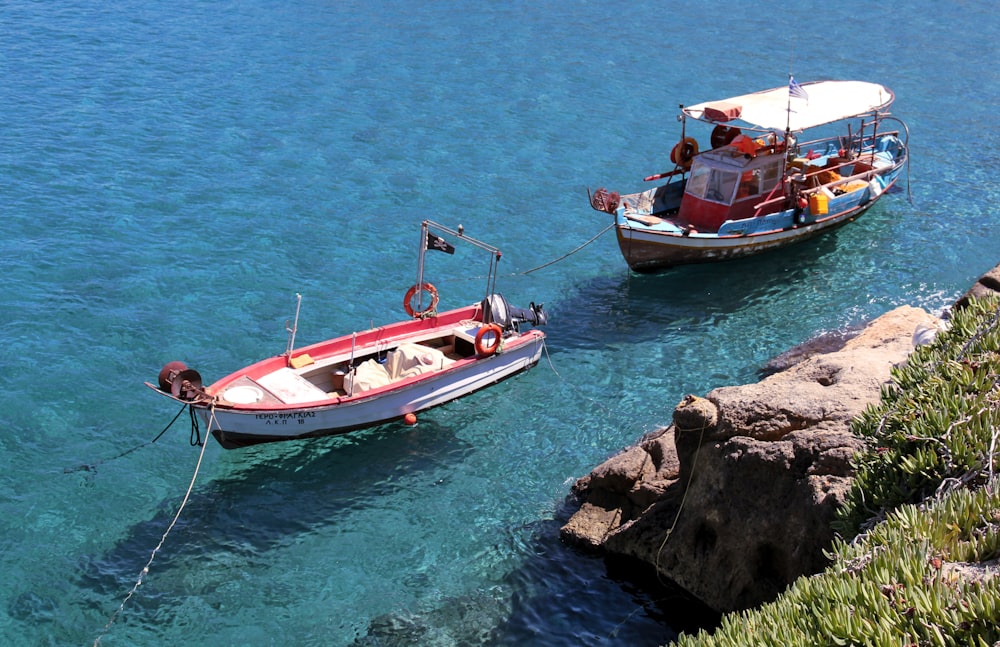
(488, 340)
(410, 419)
(412, 292)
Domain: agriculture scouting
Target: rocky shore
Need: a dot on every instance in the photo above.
(734, 500)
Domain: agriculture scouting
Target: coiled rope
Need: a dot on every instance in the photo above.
(163, 539)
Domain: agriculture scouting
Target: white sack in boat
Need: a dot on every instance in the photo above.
(414, 359)
(368, 375)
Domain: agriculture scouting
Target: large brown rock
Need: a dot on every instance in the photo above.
(987, 284)
(734, 500)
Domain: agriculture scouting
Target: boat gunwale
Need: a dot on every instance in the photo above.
(514, 342)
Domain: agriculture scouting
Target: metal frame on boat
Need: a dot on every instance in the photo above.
(757, 187)
(370, 377)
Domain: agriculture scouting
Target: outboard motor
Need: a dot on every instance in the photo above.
(497, 310)
(535, 315)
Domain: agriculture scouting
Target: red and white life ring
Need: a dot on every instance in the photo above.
(412, 292)
(486, 345)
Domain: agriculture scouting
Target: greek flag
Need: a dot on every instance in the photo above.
(795, 90)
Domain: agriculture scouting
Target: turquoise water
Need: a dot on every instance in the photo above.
(174, 173)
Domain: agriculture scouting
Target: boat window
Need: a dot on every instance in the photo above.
(698, 181)
(712, 184)
(720, 186)
(771, 173)
(749, 184)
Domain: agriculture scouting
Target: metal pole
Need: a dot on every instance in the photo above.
(295, 326)
(420, 265)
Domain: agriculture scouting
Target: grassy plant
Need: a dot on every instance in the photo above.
(915, 579)
(937, 424)
(924, 568)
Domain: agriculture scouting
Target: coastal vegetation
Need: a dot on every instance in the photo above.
(917, 558)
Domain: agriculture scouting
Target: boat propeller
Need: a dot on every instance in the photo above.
(180, 381)
(535, 315)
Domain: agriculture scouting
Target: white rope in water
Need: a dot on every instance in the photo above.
(573, 386)
(163, 539)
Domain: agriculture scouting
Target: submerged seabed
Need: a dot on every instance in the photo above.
(174, 173)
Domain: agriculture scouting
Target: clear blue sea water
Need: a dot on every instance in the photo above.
(173, 173)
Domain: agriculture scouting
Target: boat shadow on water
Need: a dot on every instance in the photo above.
(635, 308)
(272, 495)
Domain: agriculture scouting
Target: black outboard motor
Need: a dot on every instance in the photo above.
(497, 310)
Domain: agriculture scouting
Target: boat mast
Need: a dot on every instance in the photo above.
(420, 264)
(295, 326)
(788, 117)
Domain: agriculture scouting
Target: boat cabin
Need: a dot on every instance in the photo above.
(727, 183)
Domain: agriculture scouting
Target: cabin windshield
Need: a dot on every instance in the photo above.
(712, 184)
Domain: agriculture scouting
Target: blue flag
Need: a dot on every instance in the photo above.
(795, 90)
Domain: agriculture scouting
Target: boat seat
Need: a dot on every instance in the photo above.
(290, 387)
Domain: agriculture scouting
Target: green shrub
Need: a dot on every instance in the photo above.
(924, 570)
(935, 426)
(914, 579)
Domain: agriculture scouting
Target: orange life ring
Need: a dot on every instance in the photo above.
(483, 345)
(412, 292)
(684, 151)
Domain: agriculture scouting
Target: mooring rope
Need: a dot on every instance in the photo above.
(573, 386)
(677, 515)
(534, 269)
(163, 539)
(568, 254)
(91, 467)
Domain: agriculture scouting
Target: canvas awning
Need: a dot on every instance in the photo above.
(826, 102)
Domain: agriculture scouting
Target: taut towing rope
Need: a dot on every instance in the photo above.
(568, 254)
(544, 265)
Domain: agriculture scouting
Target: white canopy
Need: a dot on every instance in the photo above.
(826, 101)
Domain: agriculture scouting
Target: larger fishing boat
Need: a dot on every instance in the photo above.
(370, 377)
(759, 184)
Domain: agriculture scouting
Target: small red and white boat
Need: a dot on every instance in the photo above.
(371, 377)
